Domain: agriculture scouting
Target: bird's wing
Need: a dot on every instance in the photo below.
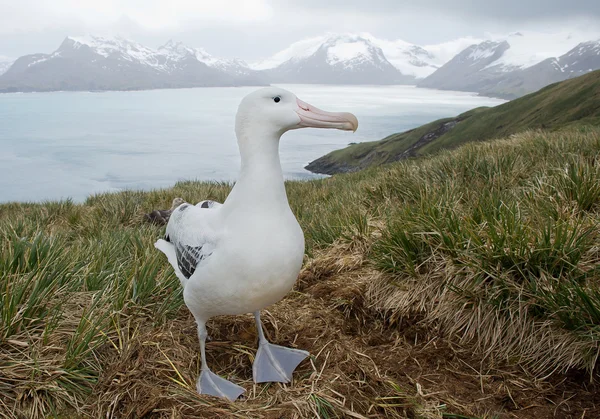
(191, 237)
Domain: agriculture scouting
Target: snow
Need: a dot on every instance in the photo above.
(41, 60)
(410, 59)
(420, 61)
(346, 51)
(297, 51)
(162, 59)
(177, 51)
(129, 50)
(483, 50)
(341, 49)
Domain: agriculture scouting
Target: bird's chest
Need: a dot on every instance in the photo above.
(270, 250)
(256, 268)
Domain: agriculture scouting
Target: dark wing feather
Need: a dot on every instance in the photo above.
(188, 258)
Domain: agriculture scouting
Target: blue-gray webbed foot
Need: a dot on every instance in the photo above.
(208, 382)
(274, 363)
(211, 384)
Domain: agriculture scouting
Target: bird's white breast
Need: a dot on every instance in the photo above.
(254, 266)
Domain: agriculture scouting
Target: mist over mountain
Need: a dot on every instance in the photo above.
(5, 64)
(503, 66)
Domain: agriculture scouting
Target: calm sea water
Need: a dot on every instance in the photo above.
(73, 144)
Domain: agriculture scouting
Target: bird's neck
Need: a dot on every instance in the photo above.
(260, 183)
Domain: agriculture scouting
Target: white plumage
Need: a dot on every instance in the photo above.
(244, 255)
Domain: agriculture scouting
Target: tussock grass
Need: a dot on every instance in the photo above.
(484, 255)
(498, 245)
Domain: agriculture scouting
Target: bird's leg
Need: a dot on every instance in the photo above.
(202, 335)
(210, 383)
(274, 363)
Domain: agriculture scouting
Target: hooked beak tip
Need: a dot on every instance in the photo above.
(318, 118)
(353, 121)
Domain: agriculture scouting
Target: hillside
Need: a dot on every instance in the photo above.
(462, 285)
(553, 107)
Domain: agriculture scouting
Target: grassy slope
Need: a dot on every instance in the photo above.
(494, 246)
(555, 106)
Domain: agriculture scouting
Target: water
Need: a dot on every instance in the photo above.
(73, 144)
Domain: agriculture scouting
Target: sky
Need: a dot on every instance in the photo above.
(256, 29)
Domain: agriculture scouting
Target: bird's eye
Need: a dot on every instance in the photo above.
(276, 99)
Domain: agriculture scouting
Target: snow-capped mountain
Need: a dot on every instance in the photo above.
(582, 59)
(530, 48)
(516, 64)
(97, 63)
(332, 59)
(470, 69)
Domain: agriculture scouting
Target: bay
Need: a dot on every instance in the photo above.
(73, 144)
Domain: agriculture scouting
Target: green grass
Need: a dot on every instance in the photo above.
(495, 245)
(575, 101)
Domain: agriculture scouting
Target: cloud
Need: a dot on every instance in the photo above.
(254, 29)
(505, 10)
(27, 15)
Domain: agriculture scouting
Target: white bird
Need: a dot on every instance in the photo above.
(244, 255)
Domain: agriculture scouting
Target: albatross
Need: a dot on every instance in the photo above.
(245, 254)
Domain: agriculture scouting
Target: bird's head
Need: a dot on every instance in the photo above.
(277, 110)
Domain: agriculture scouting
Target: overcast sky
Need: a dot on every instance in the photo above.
(254, 29)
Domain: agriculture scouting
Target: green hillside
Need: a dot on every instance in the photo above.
(553, 107)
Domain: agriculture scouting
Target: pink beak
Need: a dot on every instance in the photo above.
(317, 118)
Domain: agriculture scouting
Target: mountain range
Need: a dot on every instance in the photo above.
(503, 66)
(95, 63)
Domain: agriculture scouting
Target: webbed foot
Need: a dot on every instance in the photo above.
(276, 363)
(212, 384)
